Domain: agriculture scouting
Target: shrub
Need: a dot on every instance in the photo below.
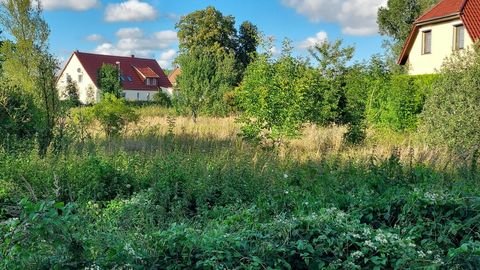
(113, 114)
(18, 114)
(162, 99)
(396, 101)
(452, 112)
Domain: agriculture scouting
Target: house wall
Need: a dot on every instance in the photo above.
(74, 69)
(136, 95)
(142, 95)
(442, 47)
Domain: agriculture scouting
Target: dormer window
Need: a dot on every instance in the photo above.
(459, 37)
(151, 81)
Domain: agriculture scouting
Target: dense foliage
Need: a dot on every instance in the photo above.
(452, 111)
(204, 81)
(113, 114)
(227, 210)
(109, 80)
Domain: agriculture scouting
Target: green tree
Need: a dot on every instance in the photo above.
(109, 80)
(22, 21)
(28, 63)
(213, 33)
(113, 114)
(71, 93)
(271, 97)
(207, 30)
(327, 101)
(18, 114)
(451, 115)
(46, 86)
(248, 40)
(204, 81)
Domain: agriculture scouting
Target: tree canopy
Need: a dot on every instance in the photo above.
(207, 30)
(109, 80)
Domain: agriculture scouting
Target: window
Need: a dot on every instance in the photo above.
(459, 37)
(427, 42)
(80, 78)
(122, 78)
(129, 78)
(151, 81)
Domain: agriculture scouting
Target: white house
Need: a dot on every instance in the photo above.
(141, 78)
(449, 26)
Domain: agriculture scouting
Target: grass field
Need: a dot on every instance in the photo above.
(171, 194)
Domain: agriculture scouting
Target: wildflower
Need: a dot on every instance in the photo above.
(285, 175)
(381, 238)
(370, 244)
(357, 254)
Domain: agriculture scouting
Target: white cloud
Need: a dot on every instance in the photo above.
(356, 17)
(166, 58)
(79, 5)
(310, 42)
(131, 10)
(95, 38)
(134, 32)
(134, 41)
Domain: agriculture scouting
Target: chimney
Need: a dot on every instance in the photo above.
(133, 56)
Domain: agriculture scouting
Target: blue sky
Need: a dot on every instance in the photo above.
(147, 27)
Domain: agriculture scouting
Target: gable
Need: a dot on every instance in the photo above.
(468, 11)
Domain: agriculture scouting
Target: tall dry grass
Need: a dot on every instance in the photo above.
(315, 143)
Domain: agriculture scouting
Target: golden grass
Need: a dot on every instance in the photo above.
(158, 128)
(315, 143)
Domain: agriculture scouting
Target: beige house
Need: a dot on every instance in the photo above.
(141, 78)
(450, 26)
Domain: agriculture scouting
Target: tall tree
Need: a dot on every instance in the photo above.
(327, 102)
(248, 40)
(271, 97)
(207, 30)
(109, 80)
(28, 63)
(22, 20)
(205, 79)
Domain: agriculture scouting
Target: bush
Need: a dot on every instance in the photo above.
(452, 112)
(113, 114)
(19, 115)
(162, 99)
(397, 101)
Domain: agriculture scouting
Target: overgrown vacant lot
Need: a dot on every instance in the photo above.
(179, 195)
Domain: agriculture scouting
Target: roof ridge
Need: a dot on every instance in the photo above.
(118, 56)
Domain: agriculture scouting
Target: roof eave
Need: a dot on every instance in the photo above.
(440, 19)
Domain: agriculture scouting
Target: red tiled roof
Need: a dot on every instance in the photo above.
(471, 18)
(172, 77)
(147, 72)
(466, 10)
(93, 62)
(442, 9)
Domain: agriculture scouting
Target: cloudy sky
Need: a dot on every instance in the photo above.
(147, 27)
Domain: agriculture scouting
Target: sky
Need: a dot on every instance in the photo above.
(146, 28)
